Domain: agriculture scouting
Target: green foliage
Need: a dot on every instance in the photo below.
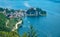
(25, 35)
(31, 32)
(12, 10)
(3, 17)
(6, 31)
(1, 9)
(7, 10)
(8, 34)
(3, 20)
(11, 23)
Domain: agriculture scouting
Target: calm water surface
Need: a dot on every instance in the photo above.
(45, 26)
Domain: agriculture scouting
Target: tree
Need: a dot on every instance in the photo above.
(3, 20)
(32, 32)
(1, 9)
(24, 35)
(8, 34)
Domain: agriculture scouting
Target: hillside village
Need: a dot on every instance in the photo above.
(11, 20)
(11, 13)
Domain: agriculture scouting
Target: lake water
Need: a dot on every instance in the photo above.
(47, 26)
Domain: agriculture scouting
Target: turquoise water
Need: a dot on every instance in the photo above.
(48, 25)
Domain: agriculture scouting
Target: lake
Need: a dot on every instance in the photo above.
(47, 26)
